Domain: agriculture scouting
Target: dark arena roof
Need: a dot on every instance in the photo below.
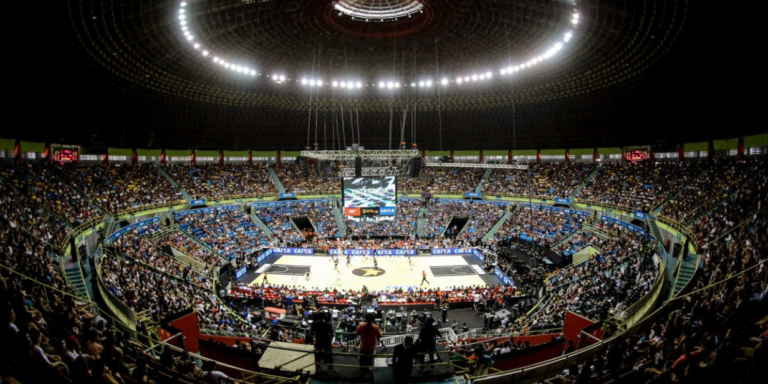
(228, 74)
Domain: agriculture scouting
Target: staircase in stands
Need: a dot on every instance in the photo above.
(421, 221)
(75, 279)
(499, 223)
(339, 218)
(276, 180)
(585, 182)
(480, 185)
(175, 184)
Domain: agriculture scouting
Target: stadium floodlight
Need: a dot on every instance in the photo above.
(390, 85)
(282, 77)
(429, 83)
(359, 84)
(183, 4)
(303, 81)
(488, 75)
(474, 77)
(444, 81)
(568, 36)
(482, 76)
(382, 84)
(421, 83)
(503, 71)
(253, 73)
(459, 80)
(335, 84)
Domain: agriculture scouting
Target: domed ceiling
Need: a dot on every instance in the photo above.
(461, 74)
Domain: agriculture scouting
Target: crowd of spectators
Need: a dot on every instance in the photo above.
(541, 226)
(607, 283)
(403, 224)
(191, 248)
(117, 188)
(575, 243)
(449, 180)
(704, 337)
(293, 181)
(481, 217)
(48, 335)
(421, 244)
(214, 181)
(24, 214)
(142, 249)
(546, 180)
(284, 295)
(229, 231)
(738, 206)
(279, 220)
(48, 191)
(643, 185)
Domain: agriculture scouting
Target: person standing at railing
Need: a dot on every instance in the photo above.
(428, 337)
(402, 360)
(370, 333)
(323, 331)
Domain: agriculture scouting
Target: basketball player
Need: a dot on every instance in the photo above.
(336, 265)
(424, 278)
(265, 281)
(349, 261)
(375, 262)
(410, 262)
(306, 276)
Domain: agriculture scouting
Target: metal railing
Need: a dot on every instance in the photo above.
(635, 312)
(118, 308)
(602, 204)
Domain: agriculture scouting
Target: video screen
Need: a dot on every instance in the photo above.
(370, 198)
(634, 156)
(66, 155)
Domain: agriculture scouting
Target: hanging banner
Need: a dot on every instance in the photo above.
(503, 276)
(451, 251)
(294, 251)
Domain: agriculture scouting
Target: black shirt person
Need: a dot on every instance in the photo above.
(324, 338)
(402, 360)
(428, 336)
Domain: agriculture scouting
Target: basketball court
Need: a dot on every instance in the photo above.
(392, 272)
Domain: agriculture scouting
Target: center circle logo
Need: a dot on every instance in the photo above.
(368, 271)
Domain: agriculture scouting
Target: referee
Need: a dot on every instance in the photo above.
(424, 278)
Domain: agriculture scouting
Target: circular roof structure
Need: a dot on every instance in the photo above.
(462, 74)
(378, 10)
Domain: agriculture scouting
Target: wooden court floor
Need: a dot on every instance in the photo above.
(392, 272)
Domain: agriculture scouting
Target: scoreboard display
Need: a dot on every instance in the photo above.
(636, 154)
(370, 198)
(66, 155)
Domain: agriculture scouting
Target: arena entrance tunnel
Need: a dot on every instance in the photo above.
(456, 221)
(303, 224)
